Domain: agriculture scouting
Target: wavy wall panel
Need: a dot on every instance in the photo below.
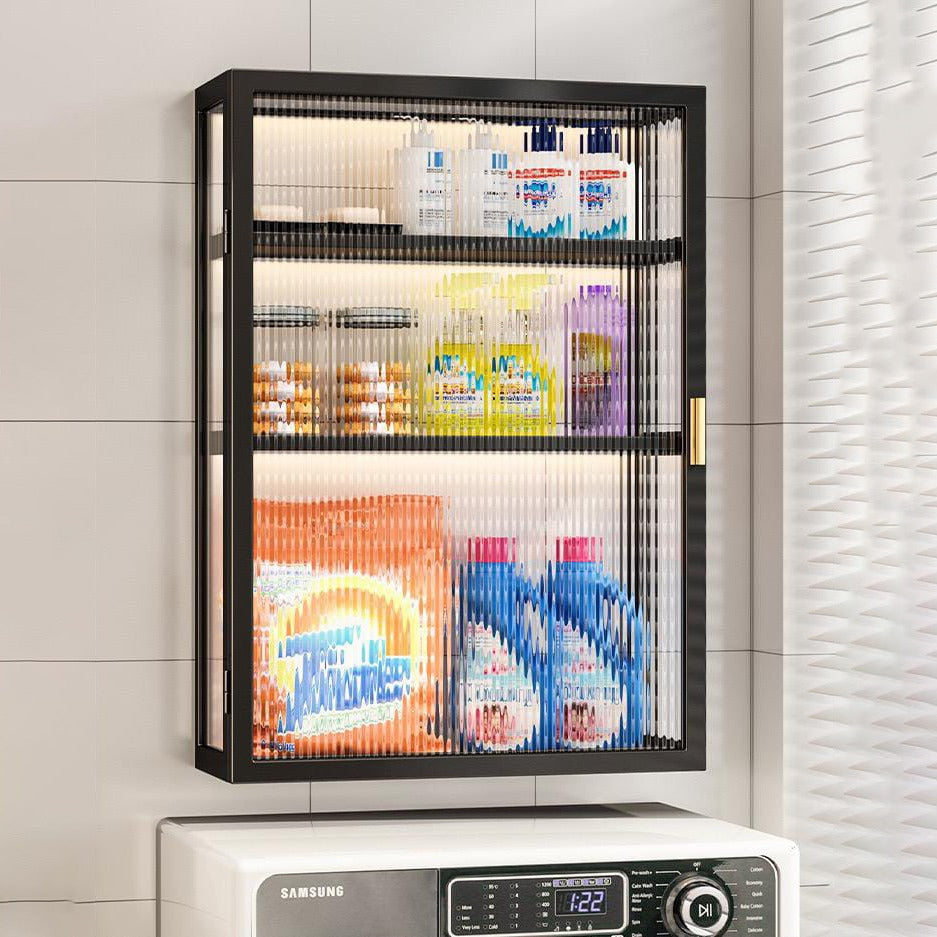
(853, 691)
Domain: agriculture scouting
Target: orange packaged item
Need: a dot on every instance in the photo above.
(351, 601)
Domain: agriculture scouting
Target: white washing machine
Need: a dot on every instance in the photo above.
(635, 871)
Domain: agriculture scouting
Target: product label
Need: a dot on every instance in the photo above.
(424, 186)
(495, 194)
(543, 201)
(432, 208)
(502, 707)
(484, 194)
(590, 378)
(602, 210)
(539, 188)
(458, 389)
(519, 391)
(593, 708)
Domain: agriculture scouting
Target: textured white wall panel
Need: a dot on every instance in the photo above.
(846, 744)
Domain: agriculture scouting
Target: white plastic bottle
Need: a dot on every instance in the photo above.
(606, 184)
(423, 183)
(483, 202)
(545, 187)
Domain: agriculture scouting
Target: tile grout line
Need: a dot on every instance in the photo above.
(76, 901)
(751, 414)
(99, 181)
(797, 653)
(97, 660)
(131, 422)
(821, 192)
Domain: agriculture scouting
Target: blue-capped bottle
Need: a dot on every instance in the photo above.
(545, 187)
(606, 184)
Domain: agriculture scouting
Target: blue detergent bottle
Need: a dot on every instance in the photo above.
(501, 699)
(597, 652)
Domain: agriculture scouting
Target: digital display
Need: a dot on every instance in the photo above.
(580, 901)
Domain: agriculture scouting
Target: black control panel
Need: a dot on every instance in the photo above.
(546, 903)
(682, 898)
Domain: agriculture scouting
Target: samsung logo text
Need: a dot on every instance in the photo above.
(313, 891)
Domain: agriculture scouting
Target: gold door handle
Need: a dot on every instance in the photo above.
(697, 431)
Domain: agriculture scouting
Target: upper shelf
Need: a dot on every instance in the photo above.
(299, 240)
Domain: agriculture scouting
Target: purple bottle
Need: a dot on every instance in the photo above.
(598, 330)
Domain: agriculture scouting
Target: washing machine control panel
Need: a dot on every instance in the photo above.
(552, 902)
(683, 898)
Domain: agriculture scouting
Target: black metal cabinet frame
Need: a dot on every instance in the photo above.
(234, 92)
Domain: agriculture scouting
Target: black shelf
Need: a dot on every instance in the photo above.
(670, 443)
(300, 240)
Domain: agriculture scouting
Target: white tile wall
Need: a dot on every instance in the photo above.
(486, 37)
(47, 127)
(41, 919)
(48, 578)
(88, 919)
(102, 522)
(420, 795)
(767, 393)
(96, 287)
(46, 813)
(95, 408)
(47, 295)
(728, 310)
(767, 535)
(143, 301)
(104, 89)
(767, 96)
(728, 537)
(682, 41)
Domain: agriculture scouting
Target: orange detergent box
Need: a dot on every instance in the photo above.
(351, 611)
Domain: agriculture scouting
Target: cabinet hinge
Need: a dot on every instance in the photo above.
(697, 431)
(226, 230)
(225, 694)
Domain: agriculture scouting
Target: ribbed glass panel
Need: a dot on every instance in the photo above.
(214, 427)
(468, 410)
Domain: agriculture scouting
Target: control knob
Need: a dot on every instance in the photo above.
(697, 905)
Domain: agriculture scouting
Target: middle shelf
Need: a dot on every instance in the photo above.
(669, 443)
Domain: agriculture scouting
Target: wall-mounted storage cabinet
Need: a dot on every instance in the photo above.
(451, 483)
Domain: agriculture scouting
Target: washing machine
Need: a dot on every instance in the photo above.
(591, 871)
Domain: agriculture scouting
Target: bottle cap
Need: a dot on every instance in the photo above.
(543, 138)
(598, 139)
(483, 138)
(579, 549)
(492, 549)
(420, 134)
